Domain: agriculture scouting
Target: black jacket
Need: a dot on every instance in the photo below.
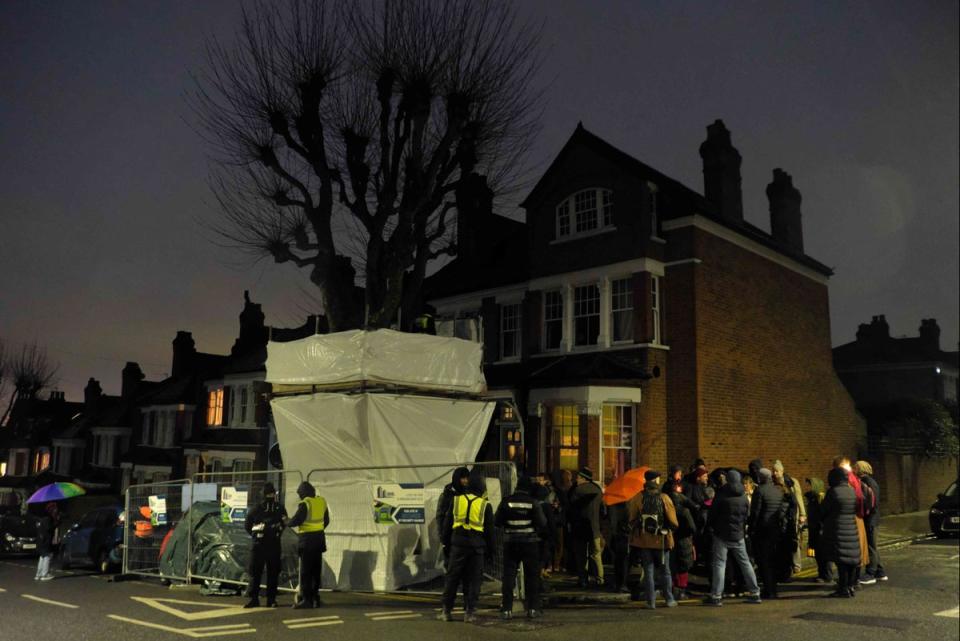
(585, 501)
(45, 535)
(839, 541)
(266, 521)
(469, 538)
(763, 510)
(873, 519)
(730, 510)
(521, 518)
(686, 530)
(450, 490)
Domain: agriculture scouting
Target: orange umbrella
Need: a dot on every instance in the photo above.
(625, 487)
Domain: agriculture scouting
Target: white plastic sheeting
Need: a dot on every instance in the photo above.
(333, 430)
(381, 356)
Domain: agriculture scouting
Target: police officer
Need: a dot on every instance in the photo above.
(265, 524)
(311, 519)
(468, 532)
(523, 522)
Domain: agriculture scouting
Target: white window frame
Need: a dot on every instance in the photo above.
(602, 214)
(620, 425)
(614, 309)
(656, 307)
(243, 404)
(545, 320)
(598, 314)
(518, 330)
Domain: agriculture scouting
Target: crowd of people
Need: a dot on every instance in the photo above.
(746, 532)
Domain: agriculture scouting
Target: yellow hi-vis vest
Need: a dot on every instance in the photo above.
(468, 511)
(316, 508)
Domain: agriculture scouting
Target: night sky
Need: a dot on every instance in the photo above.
(103, 250)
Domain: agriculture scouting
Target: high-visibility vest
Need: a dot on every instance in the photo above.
(468, 512)
(316, 508)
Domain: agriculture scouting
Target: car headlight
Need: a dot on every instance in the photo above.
(936, 511)
(9, 537)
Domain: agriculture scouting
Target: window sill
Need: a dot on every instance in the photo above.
(507, 361)
(584, 234)
(657, 239)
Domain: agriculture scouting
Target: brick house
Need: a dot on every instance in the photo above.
(639, 322)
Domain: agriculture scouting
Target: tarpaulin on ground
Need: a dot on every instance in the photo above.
(334, 430)
(382, 356)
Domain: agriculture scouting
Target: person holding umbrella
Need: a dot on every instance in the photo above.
(618, 493)
(46, 524)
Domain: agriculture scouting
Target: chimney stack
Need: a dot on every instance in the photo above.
(253, 333)
(930, 335)
(721, 172)
(130, 378)
(91, 395)
(785, 223)
(876, 333)
(184, 351)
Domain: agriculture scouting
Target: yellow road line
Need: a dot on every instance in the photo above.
(194, 633)
(396, 616)
(49, 601)
(315, 624)
(306, 619)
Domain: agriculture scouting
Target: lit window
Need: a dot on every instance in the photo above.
(565, 437)
(215, 407)
(586, 314)
(656, 298)
(621, 309)
(616, 443)
(552, 320)
(510, 331)
(592, 210)
(3, 469)
(506, 413)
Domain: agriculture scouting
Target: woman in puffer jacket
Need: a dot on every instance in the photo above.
(839, 539)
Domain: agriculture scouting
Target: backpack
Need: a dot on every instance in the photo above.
(651, 514)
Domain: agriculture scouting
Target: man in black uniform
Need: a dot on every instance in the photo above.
(265, 523)
(311, 519)
(523, 523)
(468, 532)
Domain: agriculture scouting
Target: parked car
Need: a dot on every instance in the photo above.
(95, 540)
(945, 513)
(18, 534)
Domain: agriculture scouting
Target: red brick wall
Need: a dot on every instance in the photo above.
(652, 433)
(682, 403)
(762, 381)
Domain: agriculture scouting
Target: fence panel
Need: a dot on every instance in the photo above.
(218, 547)
(383, 533)
(153, 512)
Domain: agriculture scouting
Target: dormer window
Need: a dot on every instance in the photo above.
(586, 212)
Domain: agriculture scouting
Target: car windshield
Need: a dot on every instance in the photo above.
(952, 490)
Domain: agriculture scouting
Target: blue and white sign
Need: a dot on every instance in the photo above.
(398, 503)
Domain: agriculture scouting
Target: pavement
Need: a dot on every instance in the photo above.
(919, 602)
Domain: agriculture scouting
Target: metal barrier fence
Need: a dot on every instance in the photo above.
(153, 512)
(218, 545)
(383, 533)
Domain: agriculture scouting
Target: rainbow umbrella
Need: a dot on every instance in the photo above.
(56, 492)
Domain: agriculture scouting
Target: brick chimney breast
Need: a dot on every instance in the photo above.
(130, 378)
(930, 335)
(184, 352)
(721, 172)
(785, 220)
(91, 395)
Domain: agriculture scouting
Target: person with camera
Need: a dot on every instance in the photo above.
(654, 518)
(265, 524)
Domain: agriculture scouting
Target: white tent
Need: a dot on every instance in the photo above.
(340, 429)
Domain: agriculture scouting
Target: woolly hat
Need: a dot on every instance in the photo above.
(650, 475)
(700, 471)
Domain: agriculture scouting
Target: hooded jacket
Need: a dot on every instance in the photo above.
(766, 502)
(451, 489)
(730, 509)
(839, 540)
(471, 538)
(316, 540)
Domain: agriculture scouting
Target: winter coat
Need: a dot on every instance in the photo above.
(767, 499)
(686, 530)
(45, 535)
(585, 501)
(639, 538)
(451, 489)
(839, 540)
(730, 510)
(814, 499)
(873, 518)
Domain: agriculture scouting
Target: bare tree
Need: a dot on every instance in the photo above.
(25, 373)
(344, 137)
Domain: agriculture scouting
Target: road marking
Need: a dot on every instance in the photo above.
(42, 600)
(193, 633)
(953, 613)
(2, 590)
(393, 617)
(315, 624)
(380, 614)
(213, 611)
(306, 619)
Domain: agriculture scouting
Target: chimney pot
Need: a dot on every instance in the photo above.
(785, 219)
(721, 172)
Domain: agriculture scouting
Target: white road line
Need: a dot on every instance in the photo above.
(396, 616)
(307, 619)
(42, 600)
(953, 613)
(315, 624)
(2, 590)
